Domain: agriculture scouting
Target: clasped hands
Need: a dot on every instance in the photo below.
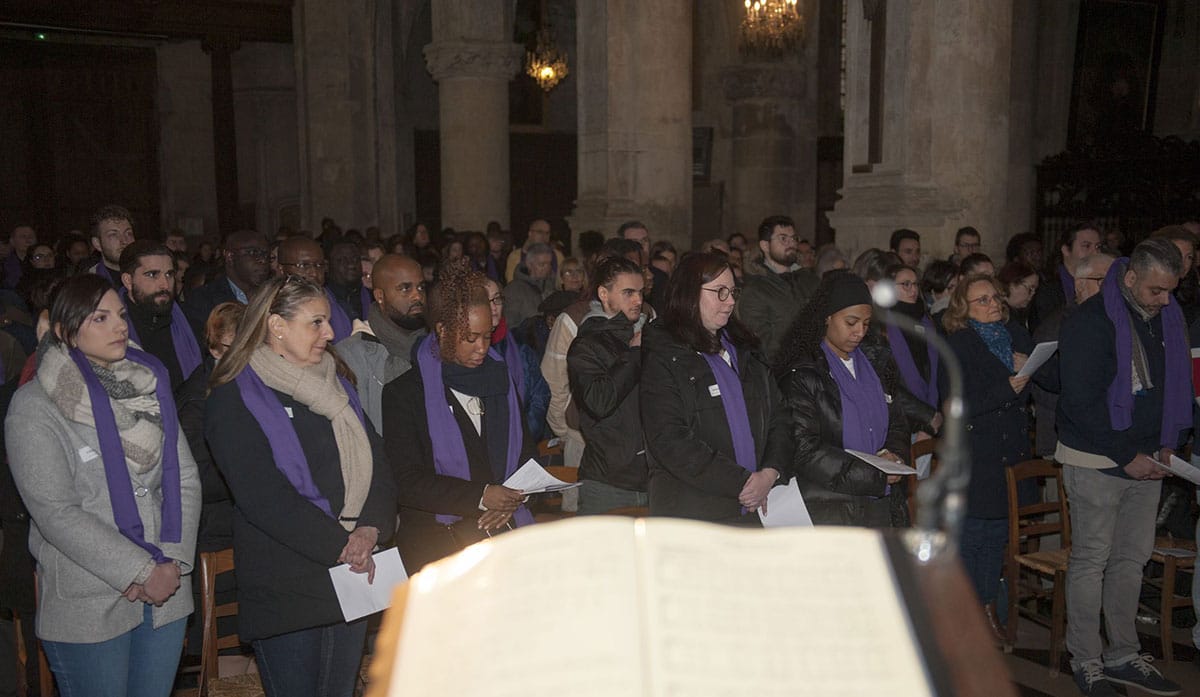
(757, 487)
(499, 503)
(357, 552)
(162, 584)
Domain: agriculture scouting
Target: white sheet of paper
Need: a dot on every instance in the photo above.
(532, 478)
(1182, 468)
(1041, 353)
(882, 464)
(357, 597)
(785, 508)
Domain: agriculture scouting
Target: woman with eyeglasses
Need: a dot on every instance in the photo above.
(97, 454)
(918, 364)
(838, 398)
(991, 349)
(456, 417)
(1019, 283)
(716, 434)
(311, 487)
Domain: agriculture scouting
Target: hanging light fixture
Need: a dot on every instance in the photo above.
(546, 63)
(771, 27)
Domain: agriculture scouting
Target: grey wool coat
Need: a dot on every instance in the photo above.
(84, 563)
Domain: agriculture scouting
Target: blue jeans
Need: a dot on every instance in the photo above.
(982, 550)
(597, 497)
(139, 663)
(318, 662)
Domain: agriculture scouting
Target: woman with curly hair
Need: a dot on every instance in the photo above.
(716, 436)
(838, 399)
(458, 420)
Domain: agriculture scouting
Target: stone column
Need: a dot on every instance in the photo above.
(772, 168)
(942, 161)
(635, 117)
(343, 95)
(473, 58)
(220, 50)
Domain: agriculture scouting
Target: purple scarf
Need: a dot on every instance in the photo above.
(449, 452)
(1068, 285)
(276, 425)
(12, 270)
(116, 471)
(864, 406)
(187, 351)
(337, 318)
(925, 390)
(512, 360)
(366, 298)
(491, 270)
(1177, 392)
(734, 402)
(101, 270)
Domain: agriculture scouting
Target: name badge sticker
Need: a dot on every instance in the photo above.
(289, 412)
(714, 391)
(87, 454)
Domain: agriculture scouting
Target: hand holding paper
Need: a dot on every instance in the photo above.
(785, 508)
(1041, 353)
(532, 478)
(1181, 468)
(360, 597)
(882, 463)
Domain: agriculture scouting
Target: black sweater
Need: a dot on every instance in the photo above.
(283, 545)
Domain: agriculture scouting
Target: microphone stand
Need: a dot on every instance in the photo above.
(941, 500)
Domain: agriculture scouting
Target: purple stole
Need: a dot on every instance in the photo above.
(102, 270)
(116, 471)
(491, 270)
(925, 390)
(338, 318)
(366, 299)
(12, 270)
(733, 399)
(1177, 387)
(864, 406)
(187, 351)
(512, 361)
(276, 425)
(449, 451)
(1068, 285)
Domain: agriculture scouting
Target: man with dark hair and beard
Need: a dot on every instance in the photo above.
(382, 351)
(776, 287)
(156, 323)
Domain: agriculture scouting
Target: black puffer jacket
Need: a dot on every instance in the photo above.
(839, 488)
(693, 473)
(604, 370)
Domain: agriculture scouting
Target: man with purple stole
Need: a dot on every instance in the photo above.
(156, 322)
(1124, 408)
(1079, 242)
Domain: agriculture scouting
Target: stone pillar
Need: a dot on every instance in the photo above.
(220, 49)
(343, 95)
(473, 58)
(942, 159)
(774, 145)
(634, 89)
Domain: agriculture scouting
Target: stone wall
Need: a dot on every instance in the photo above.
(187, 176)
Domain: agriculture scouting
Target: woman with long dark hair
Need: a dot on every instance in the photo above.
(716, 434)
(837, 399)
(310, 484)
(98, 456)
(457, 419)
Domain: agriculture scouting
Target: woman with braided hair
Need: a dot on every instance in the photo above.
(457, 418)
(310, 483)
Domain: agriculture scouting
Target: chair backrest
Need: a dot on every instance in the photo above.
(923, 447)
(570, 475)
(212, 564)
(1040, 517)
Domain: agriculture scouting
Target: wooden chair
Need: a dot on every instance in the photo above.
(1026, 565)
(1175, 556)
(919, 449)
(46, 687)
(211, 644)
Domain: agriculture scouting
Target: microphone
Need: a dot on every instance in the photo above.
(941, 500)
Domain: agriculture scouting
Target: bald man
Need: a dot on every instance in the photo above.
(300, 256)
(382, 351)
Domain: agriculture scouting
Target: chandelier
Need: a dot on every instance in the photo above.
(546, 63)
(771, 27)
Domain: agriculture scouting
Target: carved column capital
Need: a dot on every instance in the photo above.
(762, 81)
(450, 59)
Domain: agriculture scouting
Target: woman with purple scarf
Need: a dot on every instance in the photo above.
(98, 456)
(456, 417)
(310, 483)
(991, 348)
(716, 434)
(837, 399)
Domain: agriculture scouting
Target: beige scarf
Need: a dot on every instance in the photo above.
(318, 388)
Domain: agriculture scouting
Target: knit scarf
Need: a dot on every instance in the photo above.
(1133, 375)
(996, 337)
(733, 399)
(187, 351)
(864, 404)
(449, 451)
(130, 406)
(397, 340)
(319, 388)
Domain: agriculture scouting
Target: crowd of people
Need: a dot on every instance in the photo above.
(309, 399)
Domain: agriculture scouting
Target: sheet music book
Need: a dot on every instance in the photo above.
(658, 607)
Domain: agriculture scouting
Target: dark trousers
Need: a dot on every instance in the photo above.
(982, 550)
(318, 662)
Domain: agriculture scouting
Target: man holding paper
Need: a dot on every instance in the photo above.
(1125, 404)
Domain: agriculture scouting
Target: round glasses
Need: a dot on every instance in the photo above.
(725, 292)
